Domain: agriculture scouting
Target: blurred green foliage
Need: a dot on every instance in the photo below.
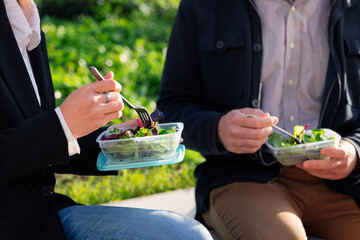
(132, 45)
(126, 37)
(130, 183)
(100, 9)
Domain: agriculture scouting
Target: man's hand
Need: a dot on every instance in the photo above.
(241, 134)
(342, 162)
(86, 109)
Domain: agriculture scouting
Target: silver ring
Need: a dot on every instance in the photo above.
(108, 97)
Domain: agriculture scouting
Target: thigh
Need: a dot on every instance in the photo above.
(115, 223)
(254, 211)
(335, 216)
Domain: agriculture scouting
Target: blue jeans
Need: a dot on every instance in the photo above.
(115, 223)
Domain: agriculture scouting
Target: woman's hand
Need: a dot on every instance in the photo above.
(342, 162)
(86, 109)
(241, 134)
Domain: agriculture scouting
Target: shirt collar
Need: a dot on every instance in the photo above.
(27, 34)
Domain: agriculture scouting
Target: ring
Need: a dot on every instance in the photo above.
(108, 97)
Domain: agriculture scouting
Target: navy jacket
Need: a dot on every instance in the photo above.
(33, 145)
(213, 65)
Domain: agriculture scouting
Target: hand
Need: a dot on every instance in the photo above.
(128, 124)
(85, 109)
(342, 162)
(241, 134)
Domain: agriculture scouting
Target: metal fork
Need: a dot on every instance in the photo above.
(277, 128)
(141, 111)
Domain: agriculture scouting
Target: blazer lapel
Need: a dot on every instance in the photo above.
(41, 70)
(13, 70)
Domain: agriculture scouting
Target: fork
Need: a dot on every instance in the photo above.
(277, 128)
(141, 111)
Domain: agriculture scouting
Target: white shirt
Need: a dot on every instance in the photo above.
(295, 59)
(27, 35)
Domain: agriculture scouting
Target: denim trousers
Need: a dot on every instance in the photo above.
(115, 223)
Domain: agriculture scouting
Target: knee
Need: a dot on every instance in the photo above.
(182, 227)
(284, 226)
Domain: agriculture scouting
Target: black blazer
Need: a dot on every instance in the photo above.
(33, 145)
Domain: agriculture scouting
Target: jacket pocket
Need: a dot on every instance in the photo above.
(220, 42)
(224, 68)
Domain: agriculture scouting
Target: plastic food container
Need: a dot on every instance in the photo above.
(299, 153)
(142, 149)
(104, 164)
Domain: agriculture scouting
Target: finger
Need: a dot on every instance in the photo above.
(324, 164)
(113, 115)
(256, 133)
(326, 174)
(259, 113)
(254, 111)
(106, 85)
(109, 75)
(259, 122)
(238, 132)
(334, 152)
(245, 146)
(110, 97)
(112, 107)
(107, 97)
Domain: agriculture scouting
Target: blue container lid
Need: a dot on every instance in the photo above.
(104, 164)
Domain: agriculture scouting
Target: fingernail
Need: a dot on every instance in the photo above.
(307, 165)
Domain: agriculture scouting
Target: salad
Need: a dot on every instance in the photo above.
(139, 144)
(277, 140)
(288, 152)
(117, 133)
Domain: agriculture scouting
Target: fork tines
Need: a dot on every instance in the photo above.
(144, 116)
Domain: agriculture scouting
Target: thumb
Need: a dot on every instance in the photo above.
(109, 75)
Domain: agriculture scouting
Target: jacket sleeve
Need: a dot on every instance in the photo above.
(39, 142)
(85, 162)
(181, 94)
(36, 143)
